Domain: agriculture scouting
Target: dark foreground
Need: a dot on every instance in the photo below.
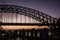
(39, 34)
(26, 38)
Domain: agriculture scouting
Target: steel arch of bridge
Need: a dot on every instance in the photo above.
(40, 16)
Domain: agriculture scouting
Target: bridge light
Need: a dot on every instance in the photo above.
(17, 32)
(38, 34)
(49, 33)
(12, 31)
(3, 34)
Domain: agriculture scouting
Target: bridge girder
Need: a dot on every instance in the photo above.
(37, 15)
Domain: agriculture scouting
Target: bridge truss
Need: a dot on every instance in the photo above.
(19, 15)
(12, 10)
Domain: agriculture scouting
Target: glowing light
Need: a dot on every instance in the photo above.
(7, 27)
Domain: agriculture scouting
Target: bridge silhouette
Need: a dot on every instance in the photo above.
(19, 15)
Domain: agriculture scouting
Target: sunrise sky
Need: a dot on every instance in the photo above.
(50, 7)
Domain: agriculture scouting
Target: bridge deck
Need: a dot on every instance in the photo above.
(34, 24)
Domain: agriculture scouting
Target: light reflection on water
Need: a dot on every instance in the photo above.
(18, 38)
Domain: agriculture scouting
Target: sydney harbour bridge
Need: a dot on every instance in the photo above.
(12, 15)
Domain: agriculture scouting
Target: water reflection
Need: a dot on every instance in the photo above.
(18, 38)
(39, 34)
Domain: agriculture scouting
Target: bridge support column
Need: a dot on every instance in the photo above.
(35, 33)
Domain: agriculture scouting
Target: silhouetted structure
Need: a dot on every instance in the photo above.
(19, 15)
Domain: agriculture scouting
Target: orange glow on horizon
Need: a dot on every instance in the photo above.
(7, 27)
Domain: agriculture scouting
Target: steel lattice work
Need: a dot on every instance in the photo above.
(35, 15)
(11, 14)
